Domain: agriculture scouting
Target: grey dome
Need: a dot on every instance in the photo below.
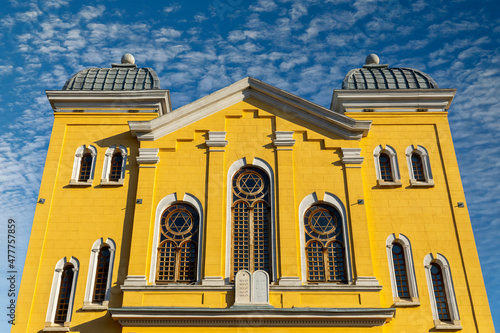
(382, 77)
(119, 77)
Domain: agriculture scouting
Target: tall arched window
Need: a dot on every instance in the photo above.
(419, 166)
(325, 248)
(404, 286)
(62, 294)
(441, 292)
(101, 275)
(251, 229)
(178, 249)
(386, 166)
(83, 166)
(64, 297)
(113, 171)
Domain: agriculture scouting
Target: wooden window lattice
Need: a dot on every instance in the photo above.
(400, 270)
(251, 221)
(440, 293)
(85, 166)
(101, 277)
(64, 295)
(115, 172)
(385, 167)
(418, 168)
(178, 250)
(315, 262)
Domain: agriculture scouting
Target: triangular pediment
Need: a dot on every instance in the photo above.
(242, 90)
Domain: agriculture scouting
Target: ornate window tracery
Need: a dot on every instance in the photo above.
(251, 240)
(178, 250)
(325, 249)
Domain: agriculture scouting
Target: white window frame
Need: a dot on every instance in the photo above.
(450, 292)
(333, 200)
(54, 295)
(77, 163)
(424, 156)
(162, 205)
(266, 167)
(391, 152)
(89, 289)
(107, 166)
(404, 242)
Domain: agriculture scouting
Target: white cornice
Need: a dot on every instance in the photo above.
(253, 316)
(109, 101)
(295, 106)
(387, 100)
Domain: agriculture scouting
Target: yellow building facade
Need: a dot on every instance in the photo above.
(251, 209)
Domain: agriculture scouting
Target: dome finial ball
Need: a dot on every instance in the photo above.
(372, 59)
(127, 58)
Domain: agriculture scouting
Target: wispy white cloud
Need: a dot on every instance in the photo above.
(172, 8)
(89, 12)
(264, 6)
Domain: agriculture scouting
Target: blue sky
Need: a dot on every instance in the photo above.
(302, 46)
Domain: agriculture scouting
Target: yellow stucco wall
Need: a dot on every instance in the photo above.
(73, 218)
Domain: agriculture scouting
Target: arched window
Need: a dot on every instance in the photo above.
(386, 166)
(441, 292)
(419, 166)
(97, 292)
(113, 171)
(251, 227)
(325, 249)
(65, 292)
(83, 166)
(404, 286)
(177, 251)
(62, 293)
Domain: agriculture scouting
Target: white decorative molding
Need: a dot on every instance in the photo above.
(426, 165)
(106, 169)
(334, 201)
(75, 175)
(283, 140)
(212, 281)
(151, 101)
(404, 242)
(352, 156)
(289, 281)
(392, 100)
(263, 165)
(135, 281)
(251, 316)
(366, 281)
(216, 141)
(148, 156)
(89, 289)
(442, 262)
(54, 292)
(246, 88)
(396, 177)
(162, 205)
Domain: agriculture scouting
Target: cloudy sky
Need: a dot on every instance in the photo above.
(302, 46)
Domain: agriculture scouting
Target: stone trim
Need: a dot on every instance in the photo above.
(216, 141)
(420, 150)
(391, 152)
(75, 174)
(352, 156)
(283, 140)
(318, 287)
(107, 166)
(148, 156)
(251, 316)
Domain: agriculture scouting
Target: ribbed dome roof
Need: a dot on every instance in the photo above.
(125, 76)
(375, 76)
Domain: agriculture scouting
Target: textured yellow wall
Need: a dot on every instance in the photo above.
(73, 218)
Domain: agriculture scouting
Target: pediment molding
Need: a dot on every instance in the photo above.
(242, 90)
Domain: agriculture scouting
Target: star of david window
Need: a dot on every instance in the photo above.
(251, 239)
(178, 247)
(325, 250)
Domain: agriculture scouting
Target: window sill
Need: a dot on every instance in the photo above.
(105, 182)
(447, 326)
(76, 183)
(383, 183)
(406, 303)
(95, 306)
(56, 328)
(415, 183)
